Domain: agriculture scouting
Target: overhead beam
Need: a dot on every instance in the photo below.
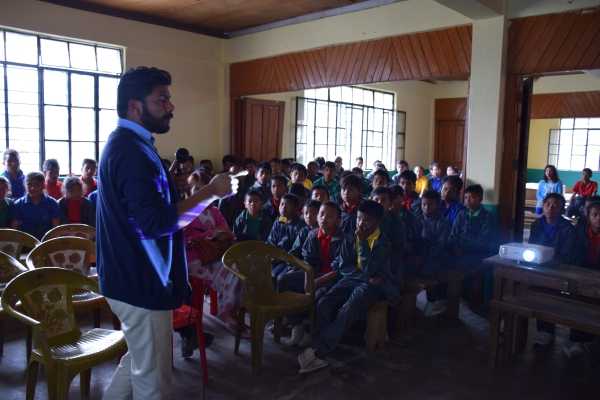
(476, 9)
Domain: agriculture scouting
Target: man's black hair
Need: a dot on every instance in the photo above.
(455, 181)
(409, 176)
(431, 194)
(351, 181)
(292, 198)
(137, 84)
(264, 165)
(475, 189)
(333, 205)
(298, 167)
(382, 190)
(371, 208)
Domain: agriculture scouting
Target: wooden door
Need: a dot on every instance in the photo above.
(450, 138)
(257, 128)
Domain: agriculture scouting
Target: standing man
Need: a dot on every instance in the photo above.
(140, 248)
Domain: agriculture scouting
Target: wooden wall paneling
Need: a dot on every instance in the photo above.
(566, 105)
(554, 42)
(451, 109)
(441, 54)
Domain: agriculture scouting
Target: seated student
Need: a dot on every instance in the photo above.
(286, 164)
(206, 239)
(207, 166)
(393, 228)
(422, 182)
(432, 248)
(6, 203)
(228, 161)
(365, 279)
(252, 223)
(410, 200)
(74, 208)
(401, 166)
(88, 171)
(366, 184)
(380, 179)
(550, 184)
(230, 207)
(451, 171)
(583, 189)
(275, 164)
(474, 234)
(435, 178)
(300, 191)
(51, 171)
(310, 210)
(249, 164)
(298, 174)
(586, 255)
(451, 204)
(13, 173)
(351, 198)
(278, 190)
(313, 171)
(329, 182)
(263, 180)
(582, 222)
(406, 217)
(286, 228)
(554, 231)
(319, 193)
(35, 213)
(377, 165)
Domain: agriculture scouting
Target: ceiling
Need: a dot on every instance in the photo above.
(222, 18)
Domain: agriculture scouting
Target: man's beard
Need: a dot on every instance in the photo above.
(153, 124)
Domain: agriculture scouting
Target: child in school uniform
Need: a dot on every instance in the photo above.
(74, 208)
(451, 204)
(300, 191)
(309, 214)
(411, 200)
(380, 179)
(12, 172)
(406, 217)
(299, 174)
(35, 213)
(329, 182)
(88, 171)
(393, 228)
(401, 166)
(433, 232)
(320, 194)
(51, 171)
(586, 255)
(474, 233)
(365, 278)
(435, 178)
(278, 190)
(252, 223)
(582, 190)
(285, 229)
(552, 230)
(6, 203)
(351, 198)
(263, 180)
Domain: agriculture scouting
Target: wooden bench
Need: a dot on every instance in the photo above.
(376, 334)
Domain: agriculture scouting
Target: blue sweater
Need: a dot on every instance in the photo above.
(141, 253)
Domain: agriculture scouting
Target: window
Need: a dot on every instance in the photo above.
(57, 98)
(576, 145)
(349, 122)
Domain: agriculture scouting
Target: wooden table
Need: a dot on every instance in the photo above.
(556, 293)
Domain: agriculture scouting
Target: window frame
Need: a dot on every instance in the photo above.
(588, 131)
(41, 104)
(396, 139)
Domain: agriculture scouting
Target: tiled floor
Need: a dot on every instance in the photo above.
(436, 360)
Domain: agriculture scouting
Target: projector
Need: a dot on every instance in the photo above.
(525, 252)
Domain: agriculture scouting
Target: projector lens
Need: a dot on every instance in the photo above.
(528, 255)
